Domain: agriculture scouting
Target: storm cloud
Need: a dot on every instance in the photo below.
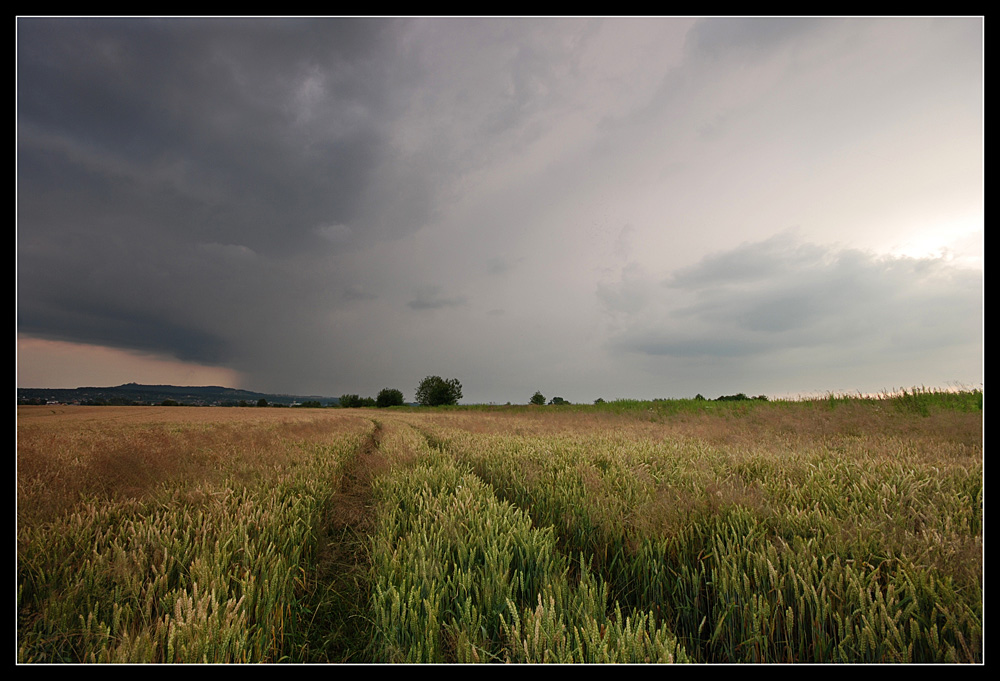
(590, 207)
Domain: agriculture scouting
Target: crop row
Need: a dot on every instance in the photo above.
(463, 576)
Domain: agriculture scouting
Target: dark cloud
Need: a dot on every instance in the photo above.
(129, 327)
(262, 193)
(267, 129)
(155, 141)
(252, 132)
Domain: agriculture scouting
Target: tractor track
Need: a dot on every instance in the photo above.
(339, 630)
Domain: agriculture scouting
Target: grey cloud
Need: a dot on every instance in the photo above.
(716, 37)
(781, 294)
(750, 262)
(497, 265)
(431, 298)
(629, 295)
(356, 292)
(623, 242)
(231, 252)
(501, 264)
(677, 345)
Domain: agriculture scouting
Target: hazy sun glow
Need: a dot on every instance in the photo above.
(959, 240)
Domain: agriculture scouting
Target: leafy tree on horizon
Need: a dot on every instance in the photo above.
(389, 397)
(538, 398)
(434, 391)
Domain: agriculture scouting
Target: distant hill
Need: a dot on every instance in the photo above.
(134, 393)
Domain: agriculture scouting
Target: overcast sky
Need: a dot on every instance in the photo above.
(644, 208)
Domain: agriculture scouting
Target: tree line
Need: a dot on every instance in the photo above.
(433, 391)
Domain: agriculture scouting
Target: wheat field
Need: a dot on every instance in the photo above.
(831, 530)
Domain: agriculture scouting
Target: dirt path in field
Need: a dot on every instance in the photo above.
(340, 630)
(352, 506)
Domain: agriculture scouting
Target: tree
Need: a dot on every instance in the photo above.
(389, 397)
(350, 401)
(262, 402)
(558, 401)
(538, 398)
(434, 391)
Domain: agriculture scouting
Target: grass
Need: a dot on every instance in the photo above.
(840, 529)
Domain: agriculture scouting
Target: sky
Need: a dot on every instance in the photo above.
(588, 207)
